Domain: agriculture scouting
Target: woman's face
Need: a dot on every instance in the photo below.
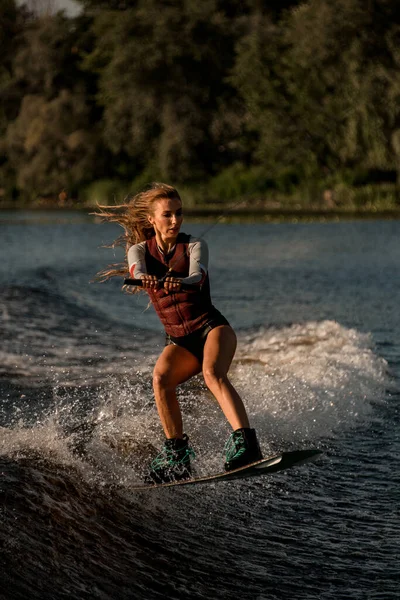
(167, 218)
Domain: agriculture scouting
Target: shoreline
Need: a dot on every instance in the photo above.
(226, 214)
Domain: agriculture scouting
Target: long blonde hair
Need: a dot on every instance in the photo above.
(133, 218)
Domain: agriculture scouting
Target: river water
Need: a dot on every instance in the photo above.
(316, 310)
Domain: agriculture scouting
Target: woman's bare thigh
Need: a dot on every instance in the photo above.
(219, 349)
(176, 365)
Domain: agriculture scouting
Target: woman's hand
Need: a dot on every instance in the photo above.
(172, 284)
(149, 281)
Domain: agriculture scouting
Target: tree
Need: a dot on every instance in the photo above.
(9, 29)
(12, 23)
(51, 145)
(53, 141)
(163, 68)
(314, 91)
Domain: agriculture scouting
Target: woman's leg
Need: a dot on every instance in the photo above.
(219, 351)
(174, 366)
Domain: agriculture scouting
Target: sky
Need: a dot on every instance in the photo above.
(71, 8)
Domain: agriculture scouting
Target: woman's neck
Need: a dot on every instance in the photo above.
(166, 245)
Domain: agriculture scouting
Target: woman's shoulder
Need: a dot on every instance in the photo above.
(198, 251)
(137, 248)
(196, 240)
(139, 244)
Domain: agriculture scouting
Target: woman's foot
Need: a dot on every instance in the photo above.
(242, 449)
(173, 462)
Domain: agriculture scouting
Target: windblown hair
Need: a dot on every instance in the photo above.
(133, 218)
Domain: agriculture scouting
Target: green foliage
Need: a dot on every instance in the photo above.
(51, 144)
(239, 181)
(8, 31)
(313, 95)
(12, 23)
(150, 173)
(249, 99)
(104, 191)
(48, 57)
(162, 83)
(54, 158)
(367, 197)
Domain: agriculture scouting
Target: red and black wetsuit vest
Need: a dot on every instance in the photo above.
(182, 312)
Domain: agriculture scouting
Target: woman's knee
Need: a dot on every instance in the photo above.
(214, 376)
(162, 380)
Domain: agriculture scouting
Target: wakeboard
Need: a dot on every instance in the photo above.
(265, 466)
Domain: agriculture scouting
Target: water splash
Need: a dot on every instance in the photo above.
(301, 384)
(308, 380)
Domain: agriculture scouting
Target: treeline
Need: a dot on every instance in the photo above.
(225, 98)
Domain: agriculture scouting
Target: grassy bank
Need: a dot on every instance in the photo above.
(217, 200)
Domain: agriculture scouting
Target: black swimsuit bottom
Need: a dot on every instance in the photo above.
(194, 342)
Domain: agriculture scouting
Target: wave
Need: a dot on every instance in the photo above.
(63, 538)
(72, 526)
(50, 340)
(300, 383)
(312, 378)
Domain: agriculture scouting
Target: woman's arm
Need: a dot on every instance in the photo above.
(198, 261)
(137, 261)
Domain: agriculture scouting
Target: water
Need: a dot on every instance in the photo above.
(316, 309)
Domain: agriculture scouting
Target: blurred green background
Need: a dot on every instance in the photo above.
(279, 104)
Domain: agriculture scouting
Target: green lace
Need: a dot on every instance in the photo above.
(235, 446)
(172, 458)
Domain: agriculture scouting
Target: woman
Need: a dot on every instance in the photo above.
(198, 337)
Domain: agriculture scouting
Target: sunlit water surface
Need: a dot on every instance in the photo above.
(316, 310)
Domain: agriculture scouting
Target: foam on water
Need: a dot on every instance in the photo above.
(309, 379)
(300, 383)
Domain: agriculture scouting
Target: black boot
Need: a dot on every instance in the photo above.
(173, 462)
(242, 449)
